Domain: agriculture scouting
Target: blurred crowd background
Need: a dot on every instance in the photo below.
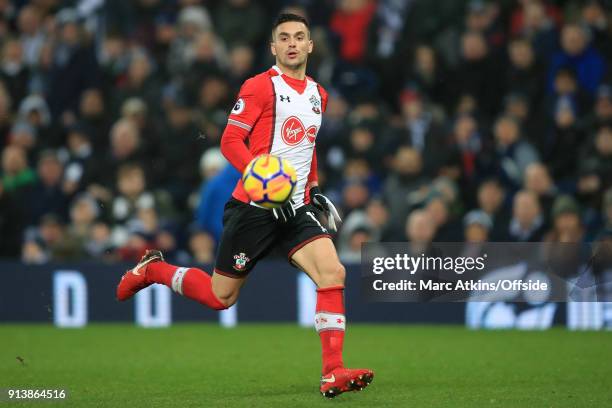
(448, 120)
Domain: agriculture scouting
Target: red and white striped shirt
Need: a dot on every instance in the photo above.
(280, 115)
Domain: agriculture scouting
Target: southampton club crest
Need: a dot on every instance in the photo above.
(315, 104)
(240, 261)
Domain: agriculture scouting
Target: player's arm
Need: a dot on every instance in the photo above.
(242, 118)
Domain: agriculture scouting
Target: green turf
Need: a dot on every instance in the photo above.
(202, 365)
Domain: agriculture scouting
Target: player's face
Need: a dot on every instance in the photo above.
(291, 44)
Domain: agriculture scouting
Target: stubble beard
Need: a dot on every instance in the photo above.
(294, 66)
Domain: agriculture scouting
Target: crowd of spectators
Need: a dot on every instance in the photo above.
(447, 120)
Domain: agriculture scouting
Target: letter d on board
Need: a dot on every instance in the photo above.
(69, 299)
(153, 306)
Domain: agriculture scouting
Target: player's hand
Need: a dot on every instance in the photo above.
(284, 213)
(324, 204)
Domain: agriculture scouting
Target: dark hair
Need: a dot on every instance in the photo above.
(286, 17)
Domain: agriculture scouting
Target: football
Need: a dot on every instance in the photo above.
(269, 180)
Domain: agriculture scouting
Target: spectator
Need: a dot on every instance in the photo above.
(5, 114)
(447, 229)
(11, 225)
(595, 167)
(83, 213)
(563, 141)
(520, 18)
(427, 74)
(133, 196)
(525, 73)
(241, 61)
(607, 213)
(48, 242)
(420, 230)
(208, 59)
(359, 171)
(140, 82)
(74, 67)
(477, 225)
(213, 105)
(24, 136)
(566, 222)
(240, 21)
(539, 181)
(362, 145)
(374, 218)
(567, 91)
(384, 46)
(333, 131)
(530, 120)
(215, 191)
(464, 163)
(527, 222)
(182, 150)
(47, 195)
(125, 147)
(113, 58)
(350, 22)
(595, 18)
(422, 131)
(491, 197)
(135, 110)
(578, 55)
(93, 115)
(355, 195)
(192, 21)
(136, 245)
(539, 25)
(513, 153)
(406, 178)
(202, 248)
(34, 111)
(99, 244)
(17, 177)
(368, 222)
(602, 110)
(144, 230)
(80, 159)
(351, 252)
(32, 35)
(478, 73)
(13, 69)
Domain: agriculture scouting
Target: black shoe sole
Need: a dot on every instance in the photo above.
(357, 384)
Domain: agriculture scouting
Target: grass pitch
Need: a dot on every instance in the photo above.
(203, 365)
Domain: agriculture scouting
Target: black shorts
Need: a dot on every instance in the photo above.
(250, 233)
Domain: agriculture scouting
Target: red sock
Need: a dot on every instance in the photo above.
(330, 323)
(192, 283)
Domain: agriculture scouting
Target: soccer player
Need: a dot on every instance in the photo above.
(278, 112)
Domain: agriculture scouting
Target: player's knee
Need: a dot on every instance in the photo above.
(226, 297)
(332, 275)
(228, 300)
